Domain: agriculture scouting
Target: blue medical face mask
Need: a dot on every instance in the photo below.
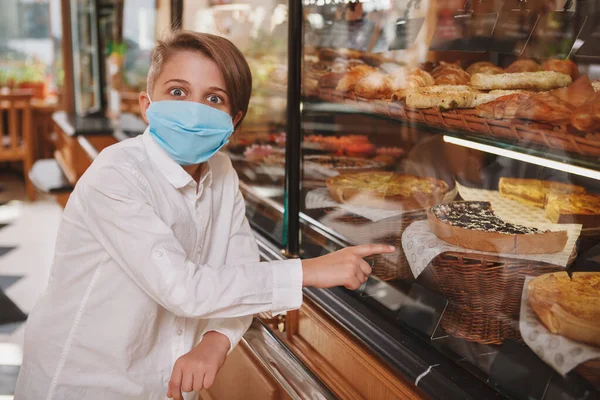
(189, 132)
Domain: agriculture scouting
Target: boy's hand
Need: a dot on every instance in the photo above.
(345, 267)
(197, 369)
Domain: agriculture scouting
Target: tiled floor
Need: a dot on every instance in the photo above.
(27, 235)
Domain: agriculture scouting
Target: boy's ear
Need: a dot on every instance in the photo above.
(144, 104)
(237, 118)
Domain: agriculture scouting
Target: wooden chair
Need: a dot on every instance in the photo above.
(16, 139)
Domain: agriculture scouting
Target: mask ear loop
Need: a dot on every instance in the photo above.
(149, 97)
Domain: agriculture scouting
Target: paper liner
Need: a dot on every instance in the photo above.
(421, 246)
(557, 351)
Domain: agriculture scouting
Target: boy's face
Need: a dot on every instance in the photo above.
(190, 76)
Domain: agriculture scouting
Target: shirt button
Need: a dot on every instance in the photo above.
(159, 253)
(179, 332)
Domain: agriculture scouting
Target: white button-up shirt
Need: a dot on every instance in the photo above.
(146, 262)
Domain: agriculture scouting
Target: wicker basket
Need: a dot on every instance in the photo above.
(590, 371)
(484, 294)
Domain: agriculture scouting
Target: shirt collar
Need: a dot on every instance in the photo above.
(176, 175)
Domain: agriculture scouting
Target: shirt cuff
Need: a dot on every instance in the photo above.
(287, 286)
(233, 328)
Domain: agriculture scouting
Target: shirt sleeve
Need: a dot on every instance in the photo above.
(242, 249)
(116, 209)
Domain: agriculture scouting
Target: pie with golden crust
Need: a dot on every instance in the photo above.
(574, 208)
(387, 190)
(568, 306)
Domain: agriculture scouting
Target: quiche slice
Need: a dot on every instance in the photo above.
(387, 190)
(574, 208)
(534, 192)
(474, 225)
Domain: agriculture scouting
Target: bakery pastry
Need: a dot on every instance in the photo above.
(484, 67)
(403, 80)
(487, 97)
(587, 117)
(564, 66)
(349, 54)
(534, 192)
(450, 74)
(442, 96)
(387, 190)
(330, 80)
(568, 305)
(523, 66)
(574, 208)
(374, 86)
(596, 85)
(542, 80)
(352, 77)
(504, 107)
(544, 107)
(474, 225)
(343, 164)
(576, 94)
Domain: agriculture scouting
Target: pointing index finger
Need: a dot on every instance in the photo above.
(371, 249)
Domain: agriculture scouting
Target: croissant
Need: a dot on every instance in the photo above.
(587, 117)
(404, 79)
(484, 67)
(504, 107)
(545, 107)
(351, 78)
(330, 80)
(450, 74)
(374, 86)
(565, 66)
(576, 94)
(523, 66)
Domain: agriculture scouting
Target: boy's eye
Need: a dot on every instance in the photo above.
(213, 98)
(177, 92)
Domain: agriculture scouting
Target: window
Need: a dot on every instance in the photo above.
(30, 44)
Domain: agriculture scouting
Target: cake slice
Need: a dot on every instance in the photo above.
(534, 192)
(574, 208)
(474, 225)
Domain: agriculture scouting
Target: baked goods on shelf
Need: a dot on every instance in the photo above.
(574, 208)
(587, 117)
(484, 67)
(441, 96)
(450, 74)
(576, 94)
(544, 107)
(330, 80)
(474, 225)
(565, 66)
(541, 80)
(523, 66)
(568, 306)
(534, 192)
(387, 190)
(504, 107)
(374, 86)
(348, 82)
(343, 164)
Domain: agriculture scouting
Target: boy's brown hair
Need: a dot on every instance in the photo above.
(229, 60)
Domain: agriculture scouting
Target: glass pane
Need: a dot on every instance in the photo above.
(257, 149)
(30, 46)
(484, 177)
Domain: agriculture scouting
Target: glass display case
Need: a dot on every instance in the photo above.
(259, 29)
(467, 135)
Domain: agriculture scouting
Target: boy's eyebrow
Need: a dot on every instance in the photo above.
(178, 81)
(218, 89)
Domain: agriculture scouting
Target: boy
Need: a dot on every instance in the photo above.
(156, 271)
